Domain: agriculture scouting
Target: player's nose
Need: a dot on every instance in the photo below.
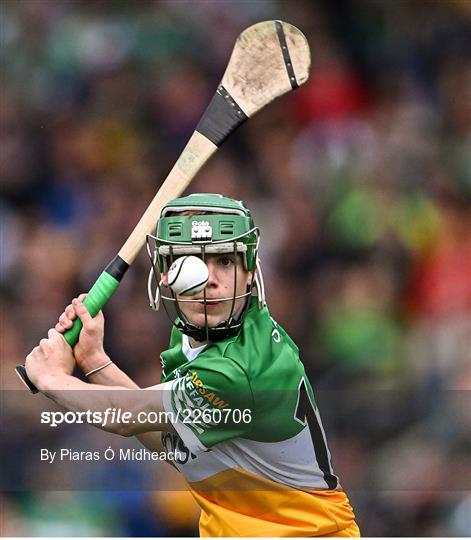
(213, 275)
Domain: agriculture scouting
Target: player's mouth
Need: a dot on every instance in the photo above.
(210, 304)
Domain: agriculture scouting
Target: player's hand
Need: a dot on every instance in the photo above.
(89, 351)
(53, 356)
(66, 320)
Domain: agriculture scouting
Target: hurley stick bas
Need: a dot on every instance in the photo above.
(269, 59)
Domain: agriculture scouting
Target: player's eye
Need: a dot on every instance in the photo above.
(226, 260)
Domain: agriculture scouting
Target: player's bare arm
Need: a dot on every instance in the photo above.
(50, 366)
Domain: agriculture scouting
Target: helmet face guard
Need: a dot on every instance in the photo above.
(215, 225)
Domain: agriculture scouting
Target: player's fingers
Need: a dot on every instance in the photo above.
(53, 333)
(69, 311)
(66, 318)
(82, 311)
(60, 328)
(57, 337)
(90, 325)
(66, 321)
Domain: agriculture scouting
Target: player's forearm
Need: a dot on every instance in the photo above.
(78, 396)
(111, 375)
(126, 410)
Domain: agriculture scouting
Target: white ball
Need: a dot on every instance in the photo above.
(188, 275)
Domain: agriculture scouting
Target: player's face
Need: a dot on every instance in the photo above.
(220, 285)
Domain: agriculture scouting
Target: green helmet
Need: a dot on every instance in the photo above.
(200, 224)
(231, 222)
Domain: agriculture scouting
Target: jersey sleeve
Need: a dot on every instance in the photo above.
(210, 404)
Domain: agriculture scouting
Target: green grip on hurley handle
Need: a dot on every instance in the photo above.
(102, 290)
(97, 297)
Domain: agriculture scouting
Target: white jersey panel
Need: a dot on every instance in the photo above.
(291, 462)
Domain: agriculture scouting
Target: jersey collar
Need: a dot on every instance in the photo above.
(190, 353)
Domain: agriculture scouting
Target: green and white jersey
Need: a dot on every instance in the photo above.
(245, 404)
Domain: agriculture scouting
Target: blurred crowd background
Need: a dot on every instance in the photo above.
(360, 182)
